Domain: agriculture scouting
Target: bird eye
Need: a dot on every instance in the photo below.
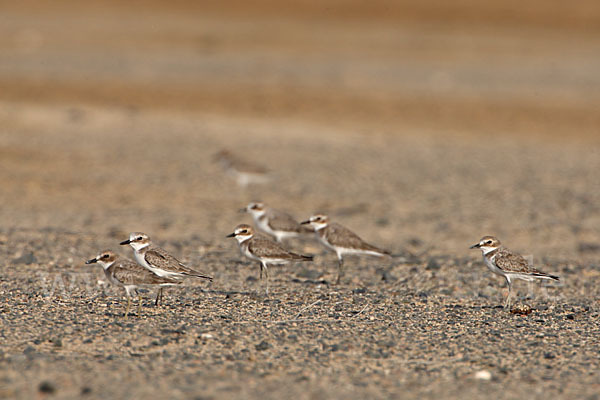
(139, 238)
(105, 256)
(489, 242)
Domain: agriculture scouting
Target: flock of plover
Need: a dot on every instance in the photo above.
(155, 267)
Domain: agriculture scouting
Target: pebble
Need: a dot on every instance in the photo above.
(46, 387)
(483, 375)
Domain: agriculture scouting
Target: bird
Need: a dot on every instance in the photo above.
(278, 224)
(245, 172)
(508, 264)
(264, 250)
(159, 261)
(129, 275)
(341, 240)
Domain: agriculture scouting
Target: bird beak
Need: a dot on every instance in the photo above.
(93, 260)
(243, 210)
(231, 235)
(305, 222)
(475, 246)
(124, 242)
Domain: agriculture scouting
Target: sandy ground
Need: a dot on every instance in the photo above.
(419, 127)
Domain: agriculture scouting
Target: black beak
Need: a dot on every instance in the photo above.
(124, 242)
(305, 222)
(475, 246)
(93, 260)
(231, 235)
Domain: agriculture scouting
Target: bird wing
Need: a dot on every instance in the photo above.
(281, 221)
(265, 248)
(130, 273)
(242, 165)
(341, 236)
(511, 262)
(161, 259)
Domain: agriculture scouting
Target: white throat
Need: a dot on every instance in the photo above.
(318, 226)
(486, 250)
(105, 265)
(258, 214)
(138, 246)
(242, 238)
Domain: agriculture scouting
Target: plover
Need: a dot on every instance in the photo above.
(341, 240)
(129, 275)
(244, 172)
(504, 262)
(275, 223)
(159, 260)
(263, 250)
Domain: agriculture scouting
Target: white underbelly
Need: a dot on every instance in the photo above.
(492, 267)
(160, 272)
(248, 254)
(263, 225)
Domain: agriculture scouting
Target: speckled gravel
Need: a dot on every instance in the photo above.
(427, 323)
(111, 127)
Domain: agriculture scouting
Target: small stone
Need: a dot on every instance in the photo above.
(433, 265)
(521, 309)
(206, 336)
(27, 259)
(311, 274)
(46, 387)
(262, 346)
(483, 375)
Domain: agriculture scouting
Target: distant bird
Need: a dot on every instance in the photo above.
(341, 240)
(263, 250)
(245, 172)
(159, 260)
(278, 224)
(507, 264)
(129, 275)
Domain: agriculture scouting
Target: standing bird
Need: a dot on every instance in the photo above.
(263, 250)
(504, 262)
(244, 172)
(159, 260)
(129, 275)
(275, 223)
(341, 240)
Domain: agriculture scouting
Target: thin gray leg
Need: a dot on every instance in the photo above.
(508, 297)
(340, 270)
(267, 276)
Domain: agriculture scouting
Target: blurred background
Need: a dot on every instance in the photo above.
(423, 121)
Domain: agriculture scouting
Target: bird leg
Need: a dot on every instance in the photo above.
(507, 302)
(158, 296)
(128, 304)
(340, 270)
(267, 279)
(139, 305)
(261, 269)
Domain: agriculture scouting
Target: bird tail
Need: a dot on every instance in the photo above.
(302, 257)
(543, 275)
(197, 274)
